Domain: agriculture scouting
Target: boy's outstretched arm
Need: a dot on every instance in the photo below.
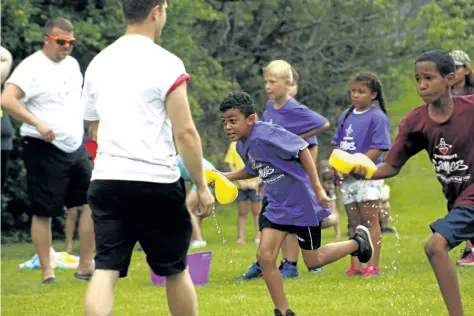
(310, 168)
(241, 174)
(384, 171)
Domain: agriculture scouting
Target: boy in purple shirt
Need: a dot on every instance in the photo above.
(444, 128)
(281, 85)
(292, 191)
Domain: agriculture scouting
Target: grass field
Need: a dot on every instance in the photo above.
(407, 286)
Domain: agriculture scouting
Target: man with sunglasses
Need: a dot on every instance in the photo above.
(44, 93)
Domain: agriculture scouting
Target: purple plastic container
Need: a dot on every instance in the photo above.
(199, 265)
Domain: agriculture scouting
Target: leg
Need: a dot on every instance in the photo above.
(370, 219)
(4, 170)
(266, 255)
(70, 226)
(255, 206)
(41, 235)
(243, 207)
(355, 219)
(182, 299)
(86, 240)
(309, 239)
(115, 238)
(165, 238)
(290, 248)
(99, 299)
(436, 250)
(192, 203)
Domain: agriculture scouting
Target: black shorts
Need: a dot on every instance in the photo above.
(309, 237)
(55, 178)
(154, 214)
(457, 226)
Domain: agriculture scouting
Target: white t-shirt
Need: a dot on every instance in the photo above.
(125, 89)
(53, 94)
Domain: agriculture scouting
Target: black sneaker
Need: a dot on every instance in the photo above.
(288, 313)
(366, 248)
(387, 229)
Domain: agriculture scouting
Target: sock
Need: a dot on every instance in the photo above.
(293, 263)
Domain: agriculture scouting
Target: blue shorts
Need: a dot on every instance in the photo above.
(457, 226)
(248, 195)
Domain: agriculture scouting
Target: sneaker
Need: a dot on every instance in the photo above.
(195, 244)
(315, 270)
(366, 248)
(371, 271)
(255, 271)
(289, 312)
(289, 271)
(387, 230)
(353, 272)
(467, 258)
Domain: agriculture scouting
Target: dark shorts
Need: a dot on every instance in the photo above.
(55, 178)
(248, 195)
(309, 237)
(154, 214)
(457, 226)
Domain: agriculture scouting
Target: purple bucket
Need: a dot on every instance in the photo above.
(199, 265)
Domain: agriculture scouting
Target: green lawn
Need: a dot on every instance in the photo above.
(407, 286)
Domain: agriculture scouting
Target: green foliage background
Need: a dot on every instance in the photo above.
(224, 45)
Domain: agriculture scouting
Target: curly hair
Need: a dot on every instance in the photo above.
(238, 100)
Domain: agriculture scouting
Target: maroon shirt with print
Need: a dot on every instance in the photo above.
(450, 146)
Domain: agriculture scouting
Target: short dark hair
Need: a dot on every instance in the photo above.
(60, 23)
(136, 11)
(443, 60)
(238, 100)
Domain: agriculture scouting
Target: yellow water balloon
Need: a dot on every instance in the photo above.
(344, 162)
(226, 191)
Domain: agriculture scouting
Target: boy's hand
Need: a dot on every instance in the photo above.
(323, 198)
(359, 172)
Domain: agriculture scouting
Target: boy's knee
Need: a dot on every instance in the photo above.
(435, 245)
(265, 256)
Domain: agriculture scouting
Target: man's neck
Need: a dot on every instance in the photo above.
(141, 29)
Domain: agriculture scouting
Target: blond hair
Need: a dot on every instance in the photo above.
(280, 69)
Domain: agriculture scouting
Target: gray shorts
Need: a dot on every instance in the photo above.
(248, 195)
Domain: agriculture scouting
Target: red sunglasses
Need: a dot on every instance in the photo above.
(62, 41)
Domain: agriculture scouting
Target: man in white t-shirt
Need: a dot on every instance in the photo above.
(135, 97)
(44, 92)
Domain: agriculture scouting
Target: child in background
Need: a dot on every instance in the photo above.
(443, 127)
(295, 201)
(192, 203)
(91, 146)
(247, 196)
(464, 81)
(326, 175)
(464, 85)
(364, 128)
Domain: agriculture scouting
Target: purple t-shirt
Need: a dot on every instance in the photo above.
(272, 153)
(294, 117)
(363, 131)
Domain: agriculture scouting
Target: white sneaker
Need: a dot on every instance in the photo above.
(197, 244)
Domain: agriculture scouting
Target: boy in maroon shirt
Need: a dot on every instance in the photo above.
(444, 127)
